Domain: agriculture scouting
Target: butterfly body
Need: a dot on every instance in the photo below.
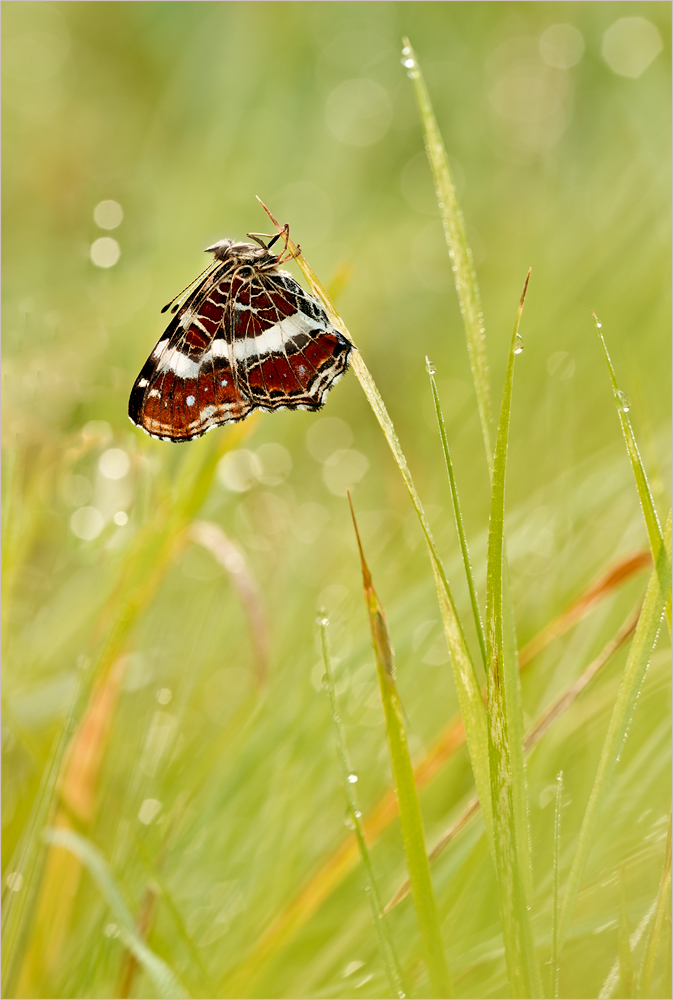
(247, 337)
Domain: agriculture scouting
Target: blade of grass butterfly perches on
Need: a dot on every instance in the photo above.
(472, 706)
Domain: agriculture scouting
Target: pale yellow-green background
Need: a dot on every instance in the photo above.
(182, 113)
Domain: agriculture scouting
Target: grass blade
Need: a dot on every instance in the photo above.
(385, 941)
(160, 973)
(554, 962)
(403, 776)
(533, 736)
(625, 956)
(320, 886)
(459, 251)
(658, 592)
(457, 513)
(642, 485)
(654, 936)
(472, 706)
(509, 833)
(143, 569)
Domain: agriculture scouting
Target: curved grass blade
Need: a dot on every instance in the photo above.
(407, 796)
(457, 514)
(159, 972)
(460, 254)
(385, 941)
(472, 706)
(647, 630)
(505, 749)
(652, 524)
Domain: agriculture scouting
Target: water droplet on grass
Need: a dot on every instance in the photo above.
(518, 344)
(352, 778)
(350, 816)
(430, 366)
(321, 618)
(623, 401)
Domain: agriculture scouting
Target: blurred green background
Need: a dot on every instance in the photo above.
(556, 118)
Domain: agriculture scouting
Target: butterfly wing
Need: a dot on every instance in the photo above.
(286, 352)
(186, 386)
(240, 342)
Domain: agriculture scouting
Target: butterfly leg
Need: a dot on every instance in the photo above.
(260, 237)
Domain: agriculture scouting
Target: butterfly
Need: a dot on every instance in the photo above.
(245, 337)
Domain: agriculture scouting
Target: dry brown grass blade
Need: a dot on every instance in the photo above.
(78, 787)
(130, 964)
(612, 578)
(330, 875)
(230, 555)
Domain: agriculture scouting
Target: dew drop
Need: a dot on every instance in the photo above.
(348, 820)
(623, 401)
(430, 366)
(352, 778)
(321, 618)
(518, 344)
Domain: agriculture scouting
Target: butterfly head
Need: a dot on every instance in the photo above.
(241, 253)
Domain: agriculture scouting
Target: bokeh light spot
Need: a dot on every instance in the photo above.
(148, 810)
(561, 46)
(343, 470)
(114, 463)
(108, 214)
(239, 470)
(326, 436)
(87, 523)
(630, 45)
(105, 252)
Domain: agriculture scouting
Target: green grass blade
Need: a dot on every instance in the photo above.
(625, 955)
(381, 925)
(457, 513)
(467, 683)
(658, 592)
(160, 973)
(459, 251)
(403, 776)
(508, 831)
(654, 935)
(18, 908)
(554, 962)
(654, 532)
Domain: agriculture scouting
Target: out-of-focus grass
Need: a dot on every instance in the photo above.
(222, 793)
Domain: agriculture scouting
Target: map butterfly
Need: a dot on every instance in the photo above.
(246, 337)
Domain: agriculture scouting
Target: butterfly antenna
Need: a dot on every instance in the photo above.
(187, 288)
